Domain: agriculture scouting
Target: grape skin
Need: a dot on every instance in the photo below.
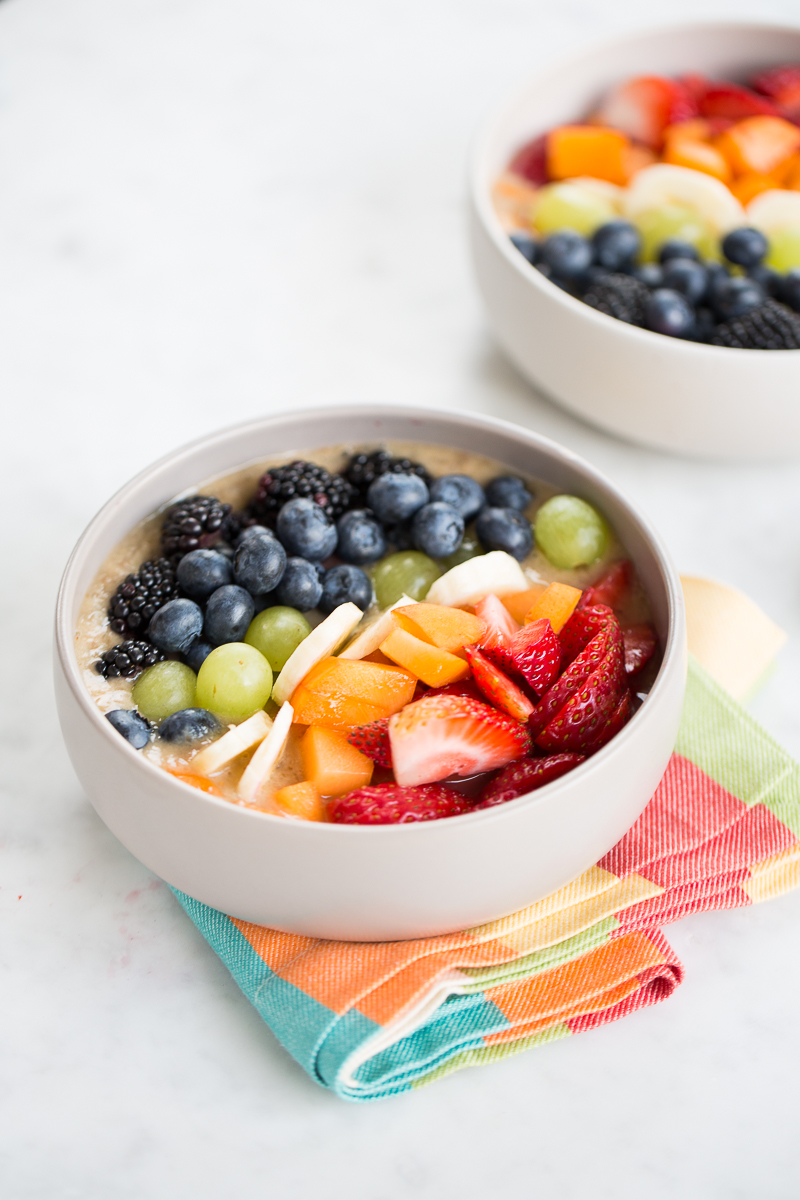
(234, 681)
(276, 633)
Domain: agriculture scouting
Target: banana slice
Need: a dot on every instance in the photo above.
(470, 581)
(774, 210)
(233, 743)
(370, 638)
(262, 764)
(321, 642)
(663, 184)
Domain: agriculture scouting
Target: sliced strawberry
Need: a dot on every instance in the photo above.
(619, 718)
(373, 740)
(498, 689)
(439, 736)
(500, 625)
(612, 588)
(526, 776)
(530, 161)
(535, 654)
(643, 107)
(781, 84)
(584, 716)
(576, 676)
(583, 625)
(464, 687)
(389, 804)
(733, 101)
(640, 646)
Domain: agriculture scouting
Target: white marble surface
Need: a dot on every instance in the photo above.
(211, 209)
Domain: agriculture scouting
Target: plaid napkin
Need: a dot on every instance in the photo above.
(368, 1020)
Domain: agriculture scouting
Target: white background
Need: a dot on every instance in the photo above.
(210, 209)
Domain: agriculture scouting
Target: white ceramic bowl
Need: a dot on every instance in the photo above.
(352, 882)
(682, 396)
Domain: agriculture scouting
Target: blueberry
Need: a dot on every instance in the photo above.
(675, 248)
(345, 584)
(527, 246)
(717, 275)
(197, 654)
(254, 531)
(259, 564)
(505, 529)
(437, 529)
(616, 244)
(766, 278)
(461, 492)
(189, 725)
(566, 253)
(300, 587)
(132, 725)
(508, 491)
(228, 613)
(395, 498)
(669, 312)
(736, 296)
(400, 535)
(650, 274)
(687, 276)
(704, 324)
(201, 572)
(790, 289)
(306, 530)
(361, 537)
(746, 247)
(175, 625)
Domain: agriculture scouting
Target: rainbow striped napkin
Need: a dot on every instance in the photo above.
(368, 1020)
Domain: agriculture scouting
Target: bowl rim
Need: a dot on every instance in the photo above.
(64, 639)
(480, 193)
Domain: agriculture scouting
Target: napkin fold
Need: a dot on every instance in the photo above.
(369, 1020)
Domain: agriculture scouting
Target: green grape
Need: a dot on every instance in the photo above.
(784, 249)
(569, 532)
(235, 680)
(469, 548)
(276, 633)
(659, 225)
(409, 572)
(163, 689)
(570, 206)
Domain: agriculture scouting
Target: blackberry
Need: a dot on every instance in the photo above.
(364, 469)
(128, 659)
(140, 594)
(196, 524)
(771, 326)
(619, 296)
(301, 480)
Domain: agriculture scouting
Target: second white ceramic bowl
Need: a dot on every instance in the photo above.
(352, 882)
(681, 396)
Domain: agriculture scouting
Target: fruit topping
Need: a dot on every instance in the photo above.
(197, 654)
(523, 777)
(320, 643)
(364, 469)
(407, 573)
(390, 804)
(669, 313)
(195, 524)
(530, 161)
(229, 611)
(643, 108)
(569, 532)
(535, 654)
(448, 628)
(574, 205)
(583, 718)
(139, 596)
(577, 150)
(612, 589)
(189, 725)
(583, 625)
(235, 680)
(508, 491)
(619, 717)
(433, 666)
(604, 646)
(345, 584)
(277, 632)
(731, 101)
(201, 572)
(127, 659)
(362, 538)
(344, 693)
(163, 689)
(437, 528)
(505, 529)
(461, 492)
(301, 480)
(770, 326)
(619, 296)
(518, 604)
(301, 800)
(782, 85)
(557, 602)
(640, 642)
(746, 246)
(331, 763)
(259, 564)
(499, 624)
(306, 530)
(496, 686)
(176, 625)
(496, 572)
(439, 736)
(236, 741)
(258, 771)
(373, 740)
(132, 725)
(300, 587)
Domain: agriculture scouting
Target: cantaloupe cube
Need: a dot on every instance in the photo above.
(759, 144)
(748, 186)
(343, 693)
(448, 628)
(331, 764)
(697, 156)
(593, 150)
(557, 602)
(519, 603)
(430, 664)
(301, 800)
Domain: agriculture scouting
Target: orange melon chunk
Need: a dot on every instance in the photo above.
(519, 603)
(557, 602)
(301, 800)
(331, 764)
(430, 664)
(697, 156)
(343, 693)
(449, 629)
(759, 144)
(599, 152)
